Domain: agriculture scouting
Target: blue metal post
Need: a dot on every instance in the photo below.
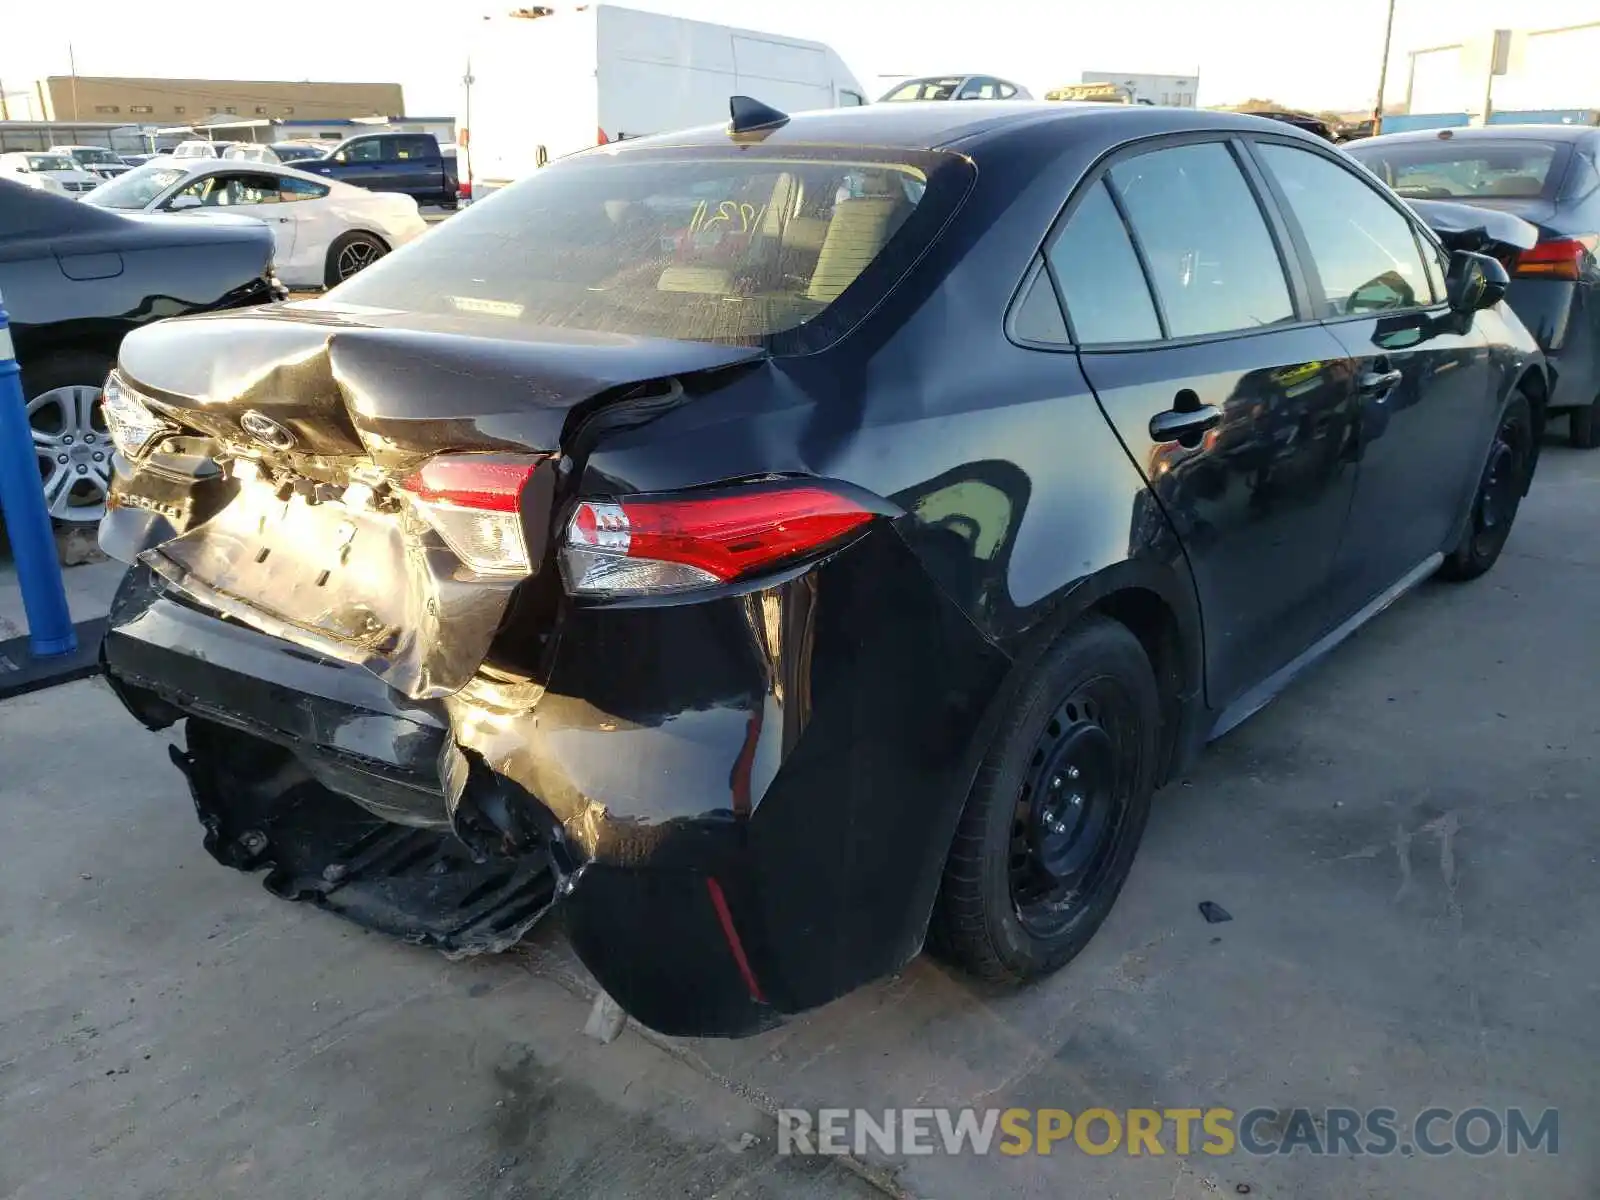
(27, 520)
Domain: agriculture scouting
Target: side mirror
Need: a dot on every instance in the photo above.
(183, 203)
(1474, 281)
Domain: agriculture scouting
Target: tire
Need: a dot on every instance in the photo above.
(1497, 497)
(350, 254)
(69, 424)
(1086, 717)
(1583, 432)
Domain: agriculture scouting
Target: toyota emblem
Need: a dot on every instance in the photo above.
(266, 431)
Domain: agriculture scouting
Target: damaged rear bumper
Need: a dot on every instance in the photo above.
(317, 732)
(167, 658)
(743, 804)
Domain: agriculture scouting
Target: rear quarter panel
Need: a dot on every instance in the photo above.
(929, 404)
(1021, 510)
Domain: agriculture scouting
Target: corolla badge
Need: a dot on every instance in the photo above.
(265, 430)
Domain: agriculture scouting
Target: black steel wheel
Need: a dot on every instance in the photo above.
(1499, 494)
(1050, 829)
(352, 253)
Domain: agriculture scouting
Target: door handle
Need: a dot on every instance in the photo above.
(1376, 382)
(1185, 427)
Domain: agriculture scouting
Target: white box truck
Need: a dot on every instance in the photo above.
(549, 81)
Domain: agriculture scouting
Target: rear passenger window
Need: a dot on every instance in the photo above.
(1363, 248)
(290, 188)
(1212, 260)
(1104, 289)
(1038, 316)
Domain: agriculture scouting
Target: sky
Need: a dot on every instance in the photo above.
(1313, 57)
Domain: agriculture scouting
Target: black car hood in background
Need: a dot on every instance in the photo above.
(29, 212)
(397, 385)
(1469, 227)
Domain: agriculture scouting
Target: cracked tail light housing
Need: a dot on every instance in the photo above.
(133, 426)
(655, 545)
(474, 502)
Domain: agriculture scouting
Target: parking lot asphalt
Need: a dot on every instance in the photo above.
(1407, 842)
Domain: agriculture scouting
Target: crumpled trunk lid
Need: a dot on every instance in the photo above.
(394, 387)
(1475, 227)
(319, 415)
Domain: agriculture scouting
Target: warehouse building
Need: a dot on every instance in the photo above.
(1544, 69)
(115, 100)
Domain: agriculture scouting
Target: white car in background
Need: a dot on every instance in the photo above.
(199, 148)
(100, 161)
(47, 172)
(326, 230)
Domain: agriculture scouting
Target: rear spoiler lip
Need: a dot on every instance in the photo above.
(1468, 227)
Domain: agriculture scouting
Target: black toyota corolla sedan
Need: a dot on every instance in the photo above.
(782, 544)
(1548, 175)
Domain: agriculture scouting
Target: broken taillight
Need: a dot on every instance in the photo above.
(474, 502)
(1558, 258)
(134, 427)
(648, 545)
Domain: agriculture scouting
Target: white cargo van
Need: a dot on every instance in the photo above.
(549, 85)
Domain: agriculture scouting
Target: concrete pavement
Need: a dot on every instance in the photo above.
(1407, 842)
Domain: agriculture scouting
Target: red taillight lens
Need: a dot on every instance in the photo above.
(601, 138)
(464, 189)
(1558, 258)
(474, 502)
(469, 482)
(654, 544)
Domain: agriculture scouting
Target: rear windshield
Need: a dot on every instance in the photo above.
(51, 162)
(1448, 169)
(739, 246)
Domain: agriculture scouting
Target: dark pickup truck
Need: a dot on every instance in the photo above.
(411, 163)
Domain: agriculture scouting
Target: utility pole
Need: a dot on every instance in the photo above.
(72, 61)
(1499, 64)
(467, 81)
(1383, 73)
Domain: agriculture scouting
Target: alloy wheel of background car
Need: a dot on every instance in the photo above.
(73, 447)
(353, 254)
(1054, 818)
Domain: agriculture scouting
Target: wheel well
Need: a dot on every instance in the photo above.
(1536, 388)
(84, 338)
(1148, 617)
